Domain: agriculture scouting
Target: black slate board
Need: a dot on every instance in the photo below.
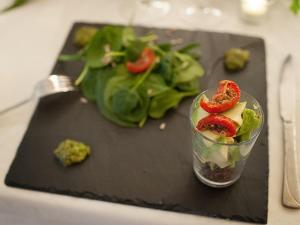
(145, 167)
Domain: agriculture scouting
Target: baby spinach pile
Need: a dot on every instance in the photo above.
(129, 99)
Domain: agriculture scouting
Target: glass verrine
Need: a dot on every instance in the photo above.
(218, 164)
(145, 10)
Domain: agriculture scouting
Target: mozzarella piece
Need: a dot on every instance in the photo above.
(236, 112)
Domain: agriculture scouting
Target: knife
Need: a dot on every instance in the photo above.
(287, 98)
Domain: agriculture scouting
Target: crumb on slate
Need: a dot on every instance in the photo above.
(83, 100)
(162, 126)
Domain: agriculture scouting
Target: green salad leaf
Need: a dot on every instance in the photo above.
(89, 84)
(128, 99)
(165, 101)
(106, 39)
(155, 85)
(128, 36)
(251, 121)
(186, 69)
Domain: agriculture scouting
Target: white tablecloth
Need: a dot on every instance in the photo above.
(30, 40)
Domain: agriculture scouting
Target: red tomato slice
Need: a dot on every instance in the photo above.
(143, 63)
(220, 124)
(227, 95)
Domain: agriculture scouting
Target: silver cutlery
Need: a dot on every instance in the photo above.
(48, 86)
(287, 98)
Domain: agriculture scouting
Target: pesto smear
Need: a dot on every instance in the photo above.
(71, 152)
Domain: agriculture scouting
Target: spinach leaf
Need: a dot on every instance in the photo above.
(192, 85)
(131, 104)
(70, 57)
(107, 37)
(124, 102)
(88, 85)
(186, 69)
(73, 57)
(177, 68)
(155, 85)
(125, 98)
(128, 36)
(166, 47)
(134, 49)
(134, 46)
(102, 83)
(190, 49)
(165, 101)
(165, 68)
(187, 48)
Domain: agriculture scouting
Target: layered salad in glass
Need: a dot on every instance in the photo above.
(225, 125)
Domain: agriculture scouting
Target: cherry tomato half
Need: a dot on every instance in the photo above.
(143, 63)
(227, 95)
(220, 124)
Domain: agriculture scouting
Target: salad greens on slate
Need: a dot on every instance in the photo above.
(131, 78)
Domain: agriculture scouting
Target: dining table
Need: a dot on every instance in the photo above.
(31, 38)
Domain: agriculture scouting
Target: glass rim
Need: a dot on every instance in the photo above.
(253, 135)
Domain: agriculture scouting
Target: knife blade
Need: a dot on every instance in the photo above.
(287, 93)
(287, 98)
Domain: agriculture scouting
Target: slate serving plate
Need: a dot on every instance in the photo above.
(145, 167)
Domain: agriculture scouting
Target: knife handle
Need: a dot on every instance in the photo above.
(291, 196)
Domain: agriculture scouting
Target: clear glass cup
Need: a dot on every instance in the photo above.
(145, 10)
(204, 13)
(218, 164)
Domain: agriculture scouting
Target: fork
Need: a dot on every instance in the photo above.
(51, 85)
